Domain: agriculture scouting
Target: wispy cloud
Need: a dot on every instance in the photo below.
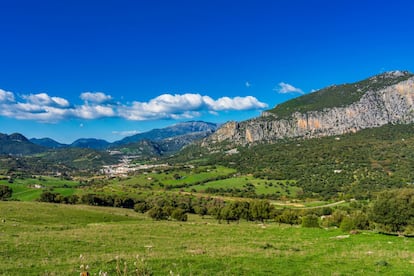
(125, 132)
(6, 96)
(44, 108)
(247, 84)
(95, 97)
(43, 99)
(285, 88)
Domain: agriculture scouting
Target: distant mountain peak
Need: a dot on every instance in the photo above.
(47, 142)
(177, 129)
(17, 144)
(18, 137)
(90, 143)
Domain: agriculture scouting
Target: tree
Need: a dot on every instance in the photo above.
(260, 210)
(5, 192)
(158, 213)
(310, 221)
(141, 207)
(289, 216)
(347, 224)
(48, 196)
(393, 210)
(179, 214)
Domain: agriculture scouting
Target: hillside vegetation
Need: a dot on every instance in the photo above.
(338, 95)
(347, 166)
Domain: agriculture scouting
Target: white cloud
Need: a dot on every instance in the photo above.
(165, 106)
(28, 111)
(288, 88)
(44, 108)
(188, 106)
(92, 111)
(237, 103)
(126, 132)
(6, 96)
(43, 99)
(95, 97)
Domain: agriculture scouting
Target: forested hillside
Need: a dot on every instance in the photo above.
(352, 165)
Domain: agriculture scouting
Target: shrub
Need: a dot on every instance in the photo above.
(347, 224)
(5, 192)
(48, 196)
(393, 210)
(158, 213)
(288, 216)
(141, 207)
(310, 221)
(179, 214)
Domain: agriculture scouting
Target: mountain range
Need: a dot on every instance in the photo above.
(154, 142)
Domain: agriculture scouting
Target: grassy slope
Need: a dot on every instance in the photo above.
(23, 189)
(42, 239)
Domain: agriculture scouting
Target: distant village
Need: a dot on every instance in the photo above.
(126, 166)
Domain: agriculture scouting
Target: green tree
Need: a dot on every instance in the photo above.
(310, 221)
(260, 210)
(347, 224)
(5, 192)
(48, 196)
(141, 207)
(289, 216)
(158, 213)
(393, 210)
(179, 214)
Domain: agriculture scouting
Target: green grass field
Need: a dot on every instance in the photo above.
(27, 189)
(262, 187)
(47, 239)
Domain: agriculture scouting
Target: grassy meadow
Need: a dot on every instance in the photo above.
(48, 239)
(29, 189)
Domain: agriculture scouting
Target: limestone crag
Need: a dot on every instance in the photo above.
(392, 104)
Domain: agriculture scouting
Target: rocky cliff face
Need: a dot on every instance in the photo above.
(390, 104)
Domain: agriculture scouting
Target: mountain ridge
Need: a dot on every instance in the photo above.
(178, 129)
(163, 140)
(382, 99)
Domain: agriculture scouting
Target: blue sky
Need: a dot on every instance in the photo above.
(110, 68)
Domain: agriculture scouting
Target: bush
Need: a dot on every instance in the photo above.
(347, 224)
(310, 221)
(5, 192)
(179, 214)
(48, 196)
(141, 207)
(288, 216)
(393, 210)
(158, 213)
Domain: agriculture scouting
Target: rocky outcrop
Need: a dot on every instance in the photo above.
(392, 104)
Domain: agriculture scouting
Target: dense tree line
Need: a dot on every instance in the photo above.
(392, 211)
